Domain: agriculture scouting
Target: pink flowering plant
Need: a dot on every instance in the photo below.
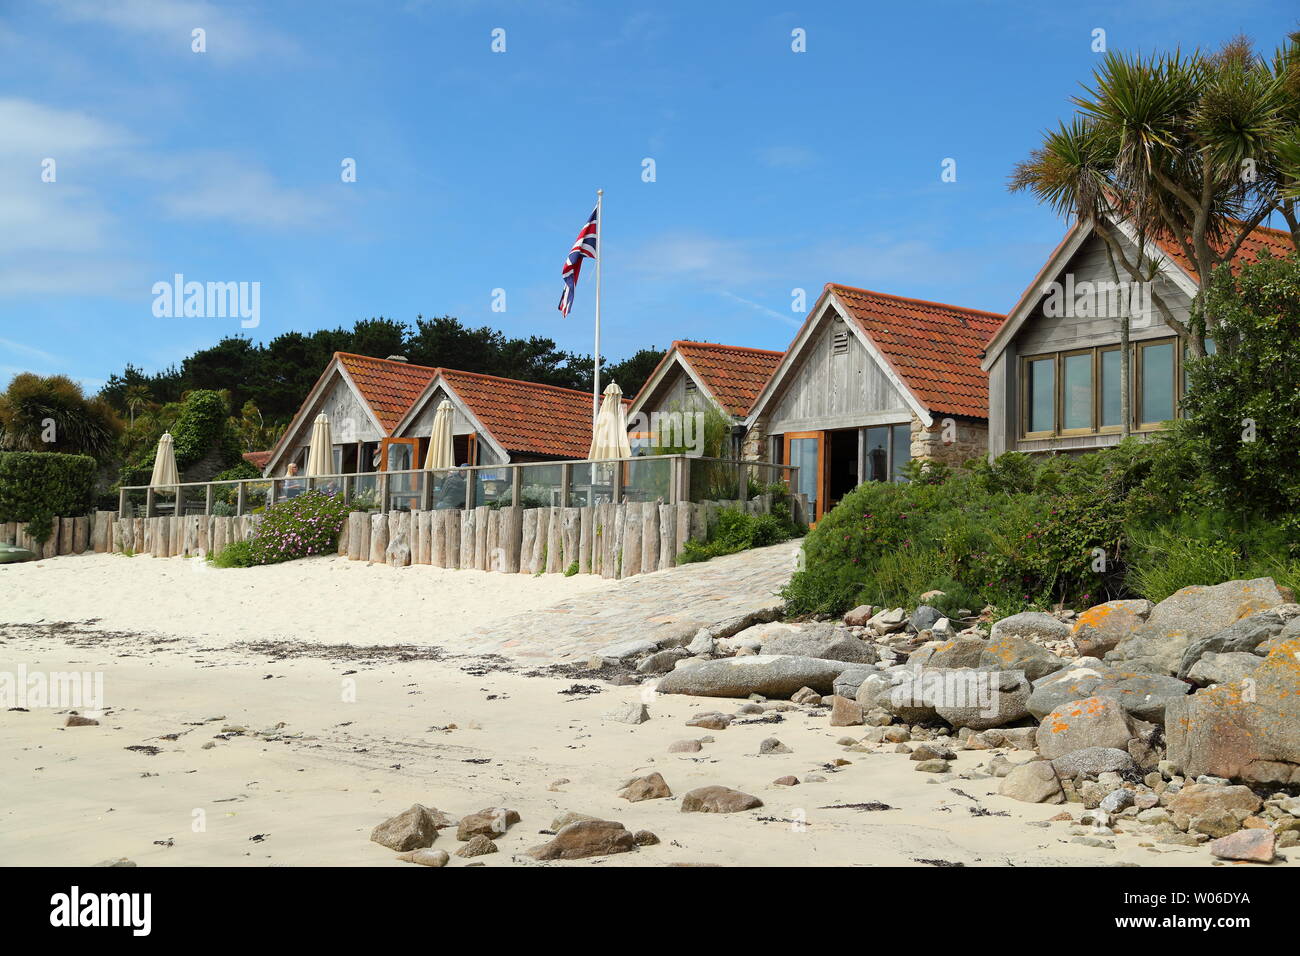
(297, 528)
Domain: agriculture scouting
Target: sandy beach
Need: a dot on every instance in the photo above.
(270, 732)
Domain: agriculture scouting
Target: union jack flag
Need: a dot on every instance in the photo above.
(583, 247)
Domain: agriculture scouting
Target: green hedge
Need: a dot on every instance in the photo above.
(37, 486)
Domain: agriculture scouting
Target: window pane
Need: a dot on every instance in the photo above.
(1210, 347)
(1042, 395)
(878, 453)
(803, 453)
(1157, 382)
(1078, 391)
(902, 449)
(1110, 390)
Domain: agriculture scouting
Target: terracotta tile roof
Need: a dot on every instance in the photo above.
(1277, 242)
(934, 348)
(734, 374)
(389, 387)
(526, 416)
(257, 459)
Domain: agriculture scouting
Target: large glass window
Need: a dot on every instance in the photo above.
(1076, 392)
(877, 452)
(902, 450)
(1111, 393)
(803, 453)
(1040, 389)
(1157, 376)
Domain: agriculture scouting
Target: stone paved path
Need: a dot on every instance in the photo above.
(648, 606)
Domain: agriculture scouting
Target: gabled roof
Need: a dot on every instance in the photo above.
(257, 459)
(929, 351)
(389, 387)
(731, 375)
(734, 374)
(1168, 254)
(525, 416)
(934, 348)
(1277, 242)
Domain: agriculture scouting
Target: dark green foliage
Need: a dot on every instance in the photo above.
(1244, 401)
(50, 413)
(738, 531)
(38, 486)
(237, 554)
(202, 428)
(277, 375)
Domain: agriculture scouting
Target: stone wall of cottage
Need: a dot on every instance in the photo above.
(950, 441)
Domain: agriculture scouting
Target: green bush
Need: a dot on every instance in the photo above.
(302, 526)
(1014, 534)
(737, 531)
(38, 486)
(237, 554)
(1205, 547)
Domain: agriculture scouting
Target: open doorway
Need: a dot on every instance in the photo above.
(841, 465)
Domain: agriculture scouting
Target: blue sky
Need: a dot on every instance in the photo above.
(774, 170)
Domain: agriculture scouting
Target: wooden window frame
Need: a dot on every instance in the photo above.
(1095, 375)
(1139, 374)
(1100, 390)
(822, 483)
(1025, 433)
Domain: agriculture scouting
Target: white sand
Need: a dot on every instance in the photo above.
(77, 795)
(318, 600)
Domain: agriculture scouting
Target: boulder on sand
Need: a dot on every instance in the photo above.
(1189, 616)
(981, 699)
(825, 641)
(412, 829)
(766, 674)
(1033, 782)
(1092, 722)
(1247, 729)
(718, 800)
(586, 838)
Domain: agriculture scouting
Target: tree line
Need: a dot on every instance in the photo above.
(276, 376)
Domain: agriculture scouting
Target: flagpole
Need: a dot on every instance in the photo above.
(600, 242)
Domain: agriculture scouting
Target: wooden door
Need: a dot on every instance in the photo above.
(808, 451)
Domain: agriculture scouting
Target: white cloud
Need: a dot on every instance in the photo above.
(170, 23)
(217, 186)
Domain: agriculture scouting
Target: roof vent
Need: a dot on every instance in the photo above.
(840, 342)
(691, 386)
(397, 358)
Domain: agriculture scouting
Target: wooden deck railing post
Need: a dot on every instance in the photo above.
(470, 482)
(148, 502)
(208, 499)
(383, 493)
(566, 475)
(686, 478)
(516, 486)
(426, 491)
(121, 503)
(239, 499)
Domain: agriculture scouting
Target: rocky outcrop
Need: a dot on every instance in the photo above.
(823, 641)
(1189, 616)
(1244, 637)
(1145, 696)
(1248, 729)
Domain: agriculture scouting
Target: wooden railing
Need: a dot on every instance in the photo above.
(668, 478)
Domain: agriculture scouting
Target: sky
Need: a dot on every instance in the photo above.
(737, 169)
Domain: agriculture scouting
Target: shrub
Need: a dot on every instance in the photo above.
(38, 486)
(302, 526)
(737, 531)
(237, 554)
(1244, 401)
(1205, 547)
